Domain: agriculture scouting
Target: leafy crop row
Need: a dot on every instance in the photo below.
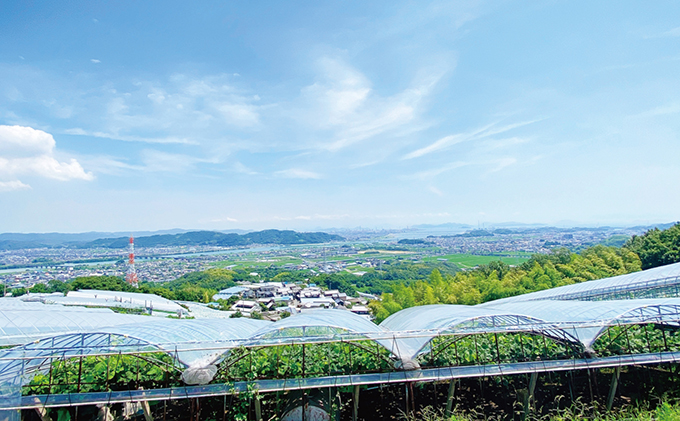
(124, 372)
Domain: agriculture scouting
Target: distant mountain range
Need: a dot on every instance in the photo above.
(13, 241)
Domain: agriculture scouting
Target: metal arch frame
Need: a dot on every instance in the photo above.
(37, 353)
(643, 315)
(507, 323)
(347, 335)
(643, 289)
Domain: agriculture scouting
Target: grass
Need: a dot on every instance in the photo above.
(470, 260)
(664, 412)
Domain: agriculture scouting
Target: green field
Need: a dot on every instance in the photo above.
(259, 262)
(465, 261)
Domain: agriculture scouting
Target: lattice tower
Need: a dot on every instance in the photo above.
(131, 276)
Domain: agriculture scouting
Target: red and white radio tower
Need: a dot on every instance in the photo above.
(131, 276)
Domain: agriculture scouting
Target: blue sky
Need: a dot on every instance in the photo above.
(132, 115)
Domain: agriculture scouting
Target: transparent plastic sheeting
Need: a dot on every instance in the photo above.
(22, 324)
(600, 314)
(187, 339)
(618, 287)
(404, 334)
(265, 386)
(317, 323)
(115, 299)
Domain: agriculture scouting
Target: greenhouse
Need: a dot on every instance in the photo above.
(56, 355)
(663, 281)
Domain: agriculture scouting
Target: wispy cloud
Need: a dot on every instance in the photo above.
(242, 169)
(503, 163)
(14, 185)
(505, 143)
(480, 133)
(297, 173)
(672, 108)
(159, 161)
(342, 102)
(439, 144)
(167, 140)
(181, 109)
(426, 175)
(675, 32)
(436, 191)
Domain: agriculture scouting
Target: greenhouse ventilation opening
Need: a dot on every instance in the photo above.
(568, 328)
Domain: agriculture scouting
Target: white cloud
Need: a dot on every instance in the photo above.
(504, 143)
(27, 151)
(425, 175)
(297, 173)
(162, 140)
(180, 109)
(239, 114)
(439, 144)
(436, 191)
(343, 102)
(158, 161)
(220, 219)
(672, 108)
(503, 163)
(20, 141)
(95, 61)
(480, 133)
(13, 185)
(240, 168)
(675, 32)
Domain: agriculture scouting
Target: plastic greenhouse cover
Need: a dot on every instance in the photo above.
(599, 313)
(134, 299)
(19, 326)
(185, 335)
(631, 281)
(437, 317)
(313, 323)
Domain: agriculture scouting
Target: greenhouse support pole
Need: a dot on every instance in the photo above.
(529, 395)
(258, 409)
(147, 411)
(449, 398)
(612, 387)
(42, 413)
(355, 408)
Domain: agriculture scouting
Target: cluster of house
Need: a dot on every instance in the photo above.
(279, 297)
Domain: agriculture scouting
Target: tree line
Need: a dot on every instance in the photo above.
(543, 271)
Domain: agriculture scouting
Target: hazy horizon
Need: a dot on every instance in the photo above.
(441, 226)
(129, 116)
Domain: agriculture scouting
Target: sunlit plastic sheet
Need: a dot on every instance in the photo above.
(427, 375)
(21, 303)
(660, 282)
(316, 324)
(20, 324)
(116, 299)
(445, 319)
(196, 342)
(587, 320)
